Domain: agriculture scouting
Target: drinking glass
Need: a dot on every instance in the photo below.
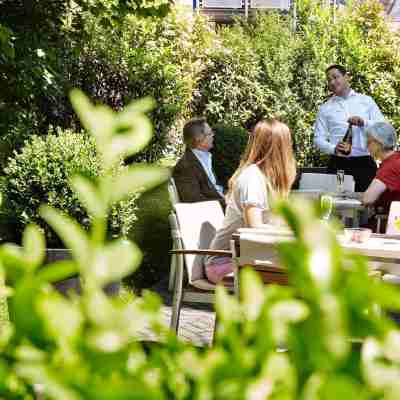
(340, 181)
(326, 206)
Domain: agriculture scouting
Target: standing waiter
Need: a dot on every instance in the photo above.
(334, 116)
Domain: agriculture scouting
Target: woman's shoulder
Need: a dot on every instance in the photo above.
(249, 175)
(250, 170)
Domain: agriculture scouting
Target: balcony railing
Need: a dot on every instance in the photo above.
(225, 10)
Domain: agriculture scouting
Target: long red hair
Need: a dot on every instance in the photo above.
(270, 147)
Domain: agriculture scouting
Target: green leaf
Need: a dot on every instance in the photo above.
(33, 242)
(89, 196)
(53, 386)
(63, 319)
(135, 178)
(71, 233)
(252, 293)
(98, 120)
(114, 261)
(132, 132)
(227, 306)
(58, 271)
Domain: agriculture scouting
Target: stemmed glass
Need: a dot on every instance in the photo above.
(326, 207)
(340, 181)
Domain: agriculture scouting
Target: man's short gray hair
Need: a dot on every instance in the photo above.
(194, 130)
(384, 133)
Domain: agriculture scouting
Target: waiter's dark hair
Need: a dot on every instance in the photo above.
(339, 67)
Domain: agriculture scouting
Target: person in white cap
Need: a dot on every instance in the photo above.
(385, 187)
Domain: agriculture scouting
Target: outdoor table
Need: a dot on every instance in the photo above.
(256, 247)
(347, 204)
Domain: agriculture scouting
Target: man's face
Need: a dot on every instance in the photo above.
(337, 82)
(207, 140)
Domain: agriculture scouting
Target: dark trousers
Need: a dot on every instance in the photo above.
(363, 169)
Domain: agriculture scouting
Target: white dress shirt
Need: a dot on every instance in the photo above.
(331, 124)
(205, 158)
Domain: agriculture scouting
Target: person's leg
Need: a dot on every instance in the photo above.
(364, 171)
(333, 165)
(218, 268)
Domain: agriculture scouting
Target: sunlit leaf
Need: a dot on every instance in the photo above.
(33, 242)
(28, 353)
(63, 318)
(378, 373)
(71, 233)
(98, 120)
(52, 384)
(136, 178)
(114, 261)
(89, 196)
(58, 271)
(252, 293)
(13, 259)
(227, 306)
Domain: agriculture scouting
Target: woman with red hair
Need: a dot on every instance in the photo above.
(266, 173)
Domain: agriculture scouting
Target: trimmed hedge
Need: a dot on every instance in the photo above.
(229, 144)
(40, 173)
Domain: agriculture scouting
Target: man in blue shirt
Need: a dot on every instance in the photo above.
(334, 116)
(193, 174)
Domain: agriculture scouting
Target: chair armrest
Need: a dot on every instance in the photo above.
(208, 252)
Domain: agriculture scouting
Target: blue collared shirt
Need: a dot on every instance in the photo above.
(331, 124)
(205, 158)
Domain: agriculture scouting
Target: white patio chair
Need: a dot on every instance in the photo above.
(174, 199)
(193, 226)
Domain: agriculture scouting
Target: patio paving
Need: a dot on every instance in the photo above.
(196, 323)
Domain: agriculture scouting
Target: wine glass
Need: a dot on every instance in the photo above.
(340, 181)
(326, 206)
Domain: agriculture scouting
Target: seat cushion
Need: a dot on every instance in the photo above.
(204, 284)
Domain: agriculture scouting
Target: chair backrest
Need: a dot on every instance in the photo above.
(394, 215)
(198, 223)
(172, 191)
(324, 182)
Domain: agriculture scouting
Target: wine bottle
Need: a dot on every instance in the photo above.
(348, 140)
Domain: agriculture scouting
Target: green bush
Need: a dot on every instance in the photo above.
(40, 173)
(229, 144)
(152, 233)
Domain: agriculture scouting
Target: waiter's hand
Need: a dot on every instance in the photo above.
(358, 121)
(340, 148)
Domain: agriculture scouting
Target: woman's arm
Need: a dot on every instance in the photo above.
(253, 217)
(375, 189)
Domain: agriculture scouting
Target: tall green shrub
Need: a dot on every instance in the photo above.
(149, 56)
(229, 143)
